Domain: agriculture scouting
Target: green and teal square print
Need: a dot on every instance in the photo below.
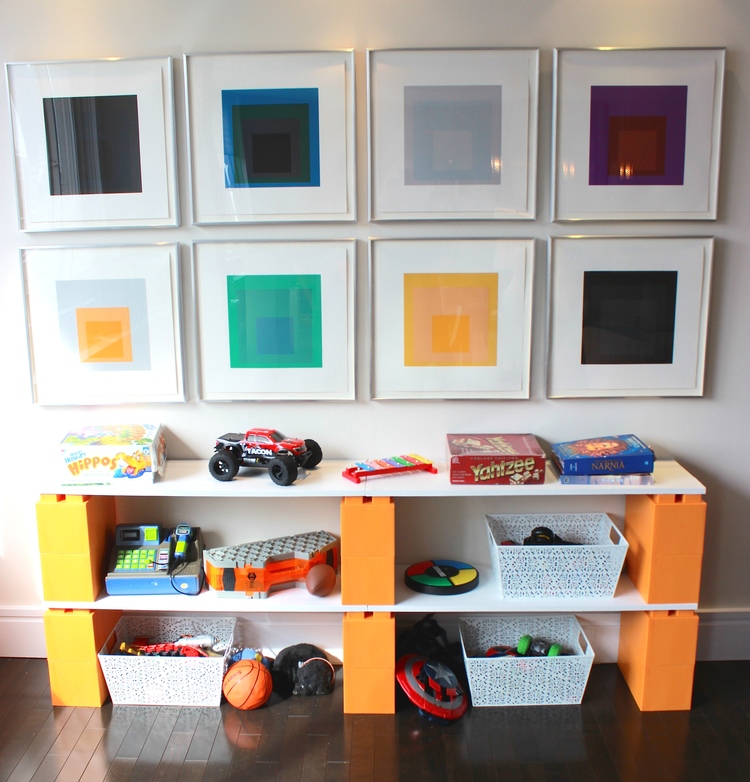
(275, 321)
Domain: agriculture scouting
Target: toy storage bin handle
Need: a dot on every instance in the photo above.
(583, 642)
(616, 536)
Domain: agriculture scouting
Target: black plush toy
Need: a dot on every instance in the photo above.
(302, 669)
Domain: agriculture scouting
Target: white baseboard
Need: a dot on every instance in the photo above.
(722, 635)
(22, 631)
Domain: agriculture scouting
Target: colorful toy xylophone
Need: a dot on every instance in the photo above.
(393, 464)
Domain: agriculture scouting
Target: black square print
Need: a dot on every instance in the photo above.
(628, 317)
(93, 145)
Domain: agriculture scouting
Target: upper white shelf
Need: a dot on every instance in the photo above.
(192, 479)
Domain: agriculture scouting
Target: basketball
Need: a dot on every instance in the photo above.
(247, 684)
(320, 580)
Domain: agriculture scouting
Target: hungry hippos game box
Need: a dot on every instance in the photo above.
(103, 455)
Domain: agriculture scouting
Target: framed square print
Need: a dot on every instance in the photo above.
(104, 324)
(275, 320)
(451, 318)
(271, 136)
(452, 133)
(627, 316)
(637, 133)
(94, 143)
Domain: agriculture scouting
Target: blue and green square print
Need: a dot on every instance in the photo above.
(271, 138)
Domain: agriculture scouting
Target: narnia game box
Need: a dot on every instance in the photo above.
(487, 459)
(611, 455)
(103, 455)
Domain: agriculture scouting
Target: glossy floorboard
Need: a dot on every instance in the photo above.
(308, 739)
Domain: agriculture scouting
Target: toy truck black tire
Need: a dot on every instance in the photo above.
(224, 465)
(315, 454)
(283, 470)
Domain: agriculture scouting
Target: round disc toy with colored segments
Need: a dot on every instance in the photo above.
(441, 577)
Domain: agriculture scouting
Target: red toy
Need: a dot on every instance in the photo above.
(388, 466)
(282, 455)
(432, 687)
(247, 684)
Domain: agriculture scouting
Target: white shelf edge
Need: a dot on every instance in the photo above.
(484, 599)
(192, 479)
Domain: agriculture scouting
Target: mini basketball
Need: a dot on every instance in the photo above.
(247, 684)
(320, 580)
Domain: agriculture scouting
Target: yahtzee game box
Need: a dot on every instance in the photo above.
(103, 455)
(482, 459)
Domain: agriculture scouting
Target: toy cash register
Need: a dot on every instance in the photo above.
(149, 560)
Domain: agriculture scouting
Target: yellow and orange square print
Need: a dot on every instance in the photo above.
(450, 319)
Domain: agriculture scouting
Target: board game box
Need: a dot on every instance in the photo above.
(492, 459)
(103, 455)
(610, 455)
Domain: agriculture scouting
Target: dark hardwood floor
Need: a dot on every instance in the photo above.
(309, 739)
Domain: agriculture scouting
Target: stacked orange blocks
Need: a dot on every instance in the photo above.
(657, 651)
(368, 558)
(75, 536)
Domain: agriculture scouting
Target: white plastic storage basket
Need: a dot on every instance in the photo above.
(165, 681)
(591, 569)
(525, 681)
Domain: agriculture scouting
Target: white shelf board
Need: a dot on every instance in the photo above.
(292, 600)
(192, 479)
(486, 598)
(669, 478)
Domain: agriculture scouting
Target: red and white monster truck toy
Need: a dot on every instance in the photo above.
(263, 448)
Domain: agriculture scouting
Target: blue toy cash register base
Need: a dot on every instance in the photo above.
(148, 560)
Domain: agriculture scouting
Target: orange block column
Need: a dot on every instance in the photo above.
(75, 537)
(368, 559)
(368, 550)
(74, 638)
(665, 535)
(657, 658)
(369, 641)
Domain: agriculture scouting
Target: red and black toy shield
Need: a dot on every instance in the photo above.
(431, 686)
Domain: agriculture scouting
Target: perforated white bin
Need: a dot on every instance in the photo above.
(165, 681)
(591, 569)
(525, 681)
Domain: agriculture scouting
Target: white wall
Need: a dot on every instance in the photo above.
(708, 435)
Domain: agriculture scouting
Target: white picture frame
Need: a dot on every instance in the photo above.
(275, 320)
(103, 324)
(650, 327)
(451, 318)
(271, 136)
(452, 133)
(94, 144)
(637, 133)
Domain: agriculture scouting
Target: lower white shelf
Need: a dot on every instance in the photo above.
(484, 599)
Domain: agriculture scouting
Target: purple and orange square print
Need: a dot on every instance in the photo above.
(637, 135)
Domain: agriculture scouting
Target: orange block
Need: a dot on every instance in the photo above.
(370, 690)
(77, 634)
(75, 536)
(74, 638)
(369, 640)
(665, 535)
(368, 580)
(77, 683)
(657, 657)
(368, 527)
